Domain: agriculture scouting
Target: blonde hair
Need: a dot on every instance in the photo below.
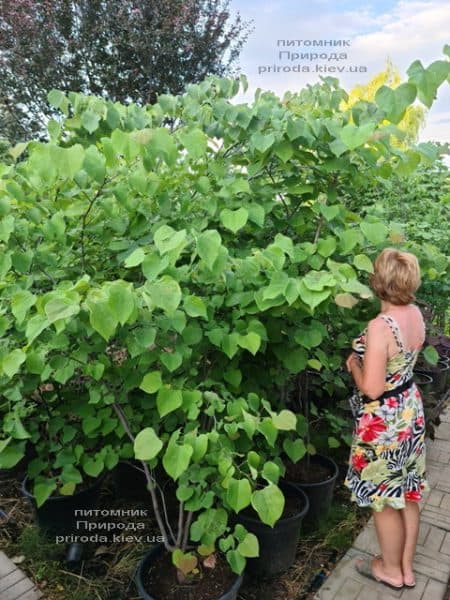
(396, 276)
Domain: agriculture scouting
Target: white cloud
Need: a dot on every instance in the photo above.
(411, 30)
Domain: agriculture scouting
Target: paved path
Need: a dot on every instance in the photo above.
(432, 562)
(14, 584)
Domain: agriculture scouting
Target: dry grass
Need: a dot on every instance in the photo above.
(107, 570)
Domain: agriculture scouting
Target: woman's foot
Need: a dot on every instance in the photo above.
(394, 577)
(379, 572)
(408, 577)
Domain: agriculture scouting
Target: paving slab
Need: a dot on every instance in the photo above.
(432, 558)
(14, 584)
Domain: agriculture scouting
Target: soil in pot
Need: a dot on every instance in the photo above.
(278, 544)
(158, 578)
(317, 480)
(57, 515)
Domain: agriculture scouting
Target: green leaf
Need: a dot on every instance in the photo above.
(363, 263)
(256, 214)
(208, 245)
(249, 546)
(428, 80)
(100, 316)
(326, 246)
(345, 300)
(295, 360)
(285, 420)
(167, 239)
(35, 326)
(153, 265)
(239, 494)
(134, 258)
(171, 360)
(93, 467)
(261, 142)
(431, 355)
(333, 442)
(348, 240)
(312, 298)
(234, 219)
(12, 361)
(284, 150)
(277, 286)
(21, 302)
(236, 561)
(68, 161)
(90, 121)
(162, 145)
(251, 342)
(10, 456)
(56, 98)
(90, 424)
(165, 293)
(315, 364)
(269, 431)
(147, 444)
(42, 491)
(295, 449)
(195, 142)
(95, 164)
(353, 136)
(168, 400)
(61, 308)
(151, 382)
(271, 472)
(195, 307)
(309, 337)
(318, 280)
(121, 300)
(176, 459)
(268, 503)
(394, 102)
(376, 233)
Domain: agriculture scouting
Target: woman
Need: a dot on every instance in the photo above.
(387, 460)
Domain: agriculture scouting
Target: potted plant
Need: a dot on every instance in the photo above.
(311, 472)
(190, 264)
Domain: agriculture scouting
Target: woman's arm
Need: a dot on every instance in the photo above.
(370, 377)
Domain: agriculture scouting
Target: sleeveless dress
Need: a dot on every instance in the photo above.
(387, 457)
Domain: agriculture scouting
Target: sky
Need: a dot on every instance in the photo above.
(374, 31)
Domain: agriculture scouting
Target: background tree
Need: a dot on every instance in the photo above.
(414, 117)
(122, 50)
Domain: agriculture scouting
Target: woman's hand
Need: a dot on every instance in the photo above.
(351, 361)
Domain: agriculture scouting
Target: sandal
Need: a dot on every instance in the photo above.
(365, 569)
(407, 585)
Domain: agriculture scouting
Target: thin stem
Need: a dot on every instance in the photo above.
(280, 195)
(83, 222)
(186, 530)
(180, 524)
(319, 227)
(150, 480)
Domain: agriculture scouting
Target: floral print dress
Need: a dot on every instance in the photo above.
(387, 458)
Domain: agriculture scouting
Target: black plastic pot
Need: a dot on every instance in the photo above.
(440, 374)
(57, 515)
(320, 494)
(424, 381)
(278, 544)
(147, 560)
(130, 482)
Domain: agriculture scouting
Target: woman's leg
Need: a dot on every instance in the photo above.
(410, 516)
(390, 530)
